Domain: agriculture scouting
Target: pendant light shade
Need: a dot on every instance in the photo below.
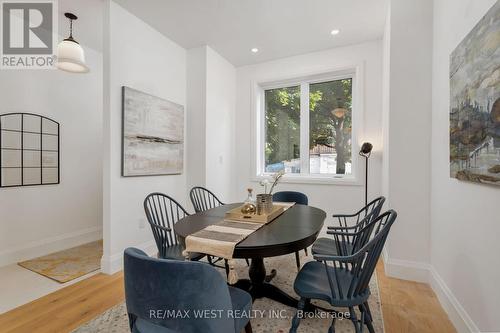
(70, 54)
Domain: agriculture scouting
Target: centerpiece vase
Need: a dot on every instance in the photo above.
(264, 203)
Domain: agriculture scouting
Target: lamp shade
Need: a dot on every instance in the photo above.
(366, 149)
(70, 57)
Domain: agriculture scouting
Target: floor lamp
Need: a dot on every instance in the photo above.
(366, 151)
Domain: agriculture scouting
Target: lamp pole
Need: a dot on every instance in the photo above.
(366, 151)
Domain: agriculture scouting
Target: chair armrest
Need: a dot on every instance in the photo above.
(160, 227)
(342, 228)
(345, 215)
(345, 234)
(342, 259)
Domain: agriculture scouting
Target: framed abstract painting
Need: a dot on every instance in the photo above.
(153, 135)
(475, 103)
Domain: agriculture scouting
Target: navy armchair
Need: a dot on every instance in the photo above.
(343, 281)
(164, 295)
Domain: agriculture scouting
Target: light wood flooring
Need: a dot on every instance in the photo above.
(407, 306)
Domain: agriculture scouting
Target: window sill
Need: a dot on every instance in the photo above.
(311, 179)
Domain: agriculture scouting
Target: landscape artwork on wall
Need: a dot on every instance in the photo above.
(153, 135)
(475, 103)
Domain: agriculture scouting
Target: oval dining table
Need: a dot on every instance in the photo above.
(294, 230)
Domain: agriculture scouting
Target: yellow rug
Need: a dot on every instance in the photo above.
(68, 264)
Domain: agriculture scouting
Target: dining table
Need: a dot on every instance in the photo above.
(294, 230)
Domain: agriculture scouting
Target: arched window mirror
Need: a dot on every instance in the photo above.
(29, 150)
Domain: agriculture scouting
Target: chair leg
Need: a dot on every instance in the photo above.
(248, 262)
(248, 328)
(362, 321)
(354, 320)
(296, 318)
(297, 261)
(367, 308)
(331, 329)
(368, 316)
(209, 258)
(226, 266)
(305, 250)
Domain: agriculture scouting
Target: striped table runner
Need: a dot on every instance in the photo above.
(220, 239)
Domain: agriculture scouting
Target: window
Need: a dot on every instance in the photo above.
(307, 127)
(282, 150)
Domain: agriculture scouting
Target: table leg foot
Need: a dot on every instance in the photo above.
(271, 276)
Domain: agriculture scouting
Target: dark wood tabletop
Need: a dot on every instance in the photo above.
(295, 229)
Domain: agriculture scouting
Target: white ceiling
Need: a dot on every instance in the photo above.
(278, 28)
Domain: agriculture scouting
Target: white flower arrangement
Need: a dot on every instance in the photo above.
(276, 178)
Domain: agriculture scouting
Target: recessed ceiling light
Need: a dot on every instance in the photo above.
(335, 32)
(255, 50)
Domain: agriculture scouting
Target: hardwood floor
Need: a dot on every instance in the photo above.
(407, 306)
(66, 309)
(410, 306)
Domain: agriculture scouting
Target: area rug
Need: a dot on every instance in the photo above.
(274, 320)
(69, 264)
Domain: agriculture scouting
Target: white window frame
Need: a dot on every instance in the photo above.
(354, 72)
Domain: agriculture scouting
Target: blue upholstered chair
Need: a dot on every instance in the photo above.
(291, 196)
(343, 281)
(345, 236)
(298, 198)
(162, 213)
(158, 293)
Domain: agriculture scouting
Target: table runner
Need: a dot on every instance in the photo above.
(221, 238)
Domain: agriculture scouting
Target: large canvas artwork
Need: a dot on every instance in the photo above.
(475, 103)
(153, 135)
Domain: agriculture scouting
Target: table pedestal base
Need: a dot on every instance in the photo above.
(259, 285)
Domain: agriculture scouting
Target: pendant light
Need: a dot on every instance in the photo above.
(70, 55)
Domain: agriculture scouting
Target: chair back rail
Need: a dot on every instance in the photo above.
(162, 212)
(364, 216)
(349, 240)
(203, 199)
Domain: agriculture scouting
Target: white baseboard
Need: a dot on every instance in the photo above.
(49, 245)
(457, 314)
(426, 273)
(114, 263)
(406, 270)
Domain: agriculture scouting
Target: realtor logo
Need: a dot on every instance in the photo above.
(28, 34)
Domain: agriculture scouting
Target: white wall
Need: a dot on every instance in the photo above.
(331, 198)
(37, 220)
(196, 116)
(139, 57)
(211, 93)
(221, 103)
(407, 122)
(386, 94)
(465, 219)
